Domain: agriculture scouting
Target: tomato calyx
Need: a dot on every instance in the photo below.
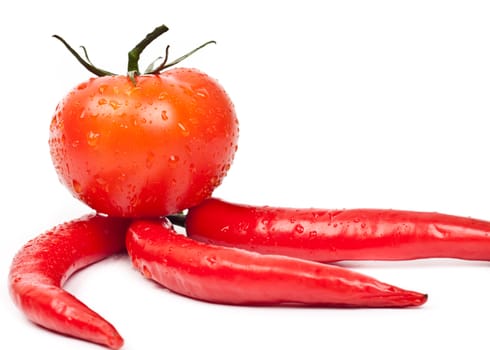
(85, 62)
(134, 56)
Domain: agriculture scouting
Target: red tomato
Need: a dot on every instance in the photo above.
(149, 148)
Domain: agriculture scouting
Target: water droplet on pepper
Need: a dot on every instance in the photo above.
(299, 228)
(146, 271)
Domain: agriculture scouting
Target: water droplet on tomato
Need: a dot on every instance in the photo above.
(77, 187)
(115, 104)
(102, 182)
(173, 160)
(102, 88)
(187, 90)
(132, 90)
(150, 158)
(163, 96)
(226, 167)
(93, 138)
(215, 181)
(134, 121)
(202, 92)
(164, 115)
(102, 102)
(82, 86)
(183, 129)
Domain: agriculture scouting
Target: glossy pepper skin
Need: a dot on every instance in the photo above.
(235, 276)
(42, 265)
(333, 235)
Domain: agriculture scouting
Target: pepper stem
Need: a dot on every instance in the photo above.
(177, 219)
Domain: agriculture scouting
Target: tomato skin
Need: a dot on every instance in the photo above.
(151, 148)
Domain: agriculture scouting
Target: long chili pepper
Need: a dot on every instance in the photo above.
(40, 268)
(333, 235)
(235, 276)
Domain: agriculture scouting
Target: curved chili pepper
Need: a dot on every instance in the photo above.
(235, 276)
(41, 267)
(333, 235)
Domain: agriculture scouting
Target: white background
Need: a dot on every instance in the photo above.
(341, 104)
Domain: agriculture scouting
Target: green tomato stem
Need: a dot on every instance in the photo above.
(134, 54)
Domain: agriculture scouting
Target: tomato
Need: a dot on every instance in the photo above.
(151, 148)
(143, 145)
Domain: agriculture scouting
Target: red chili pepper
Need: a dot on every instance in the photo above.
(333, 235)
(235, 276)
(42, 266)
